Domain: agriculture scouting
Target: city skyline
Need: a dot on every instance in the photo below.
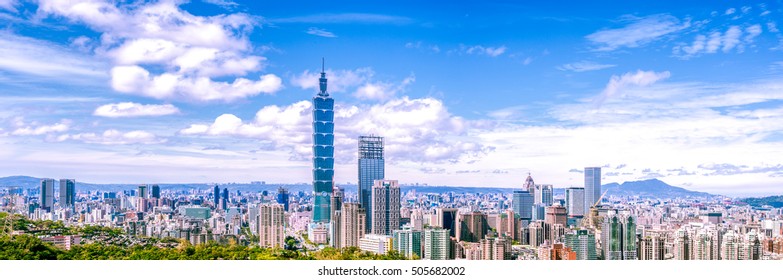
(644, 92)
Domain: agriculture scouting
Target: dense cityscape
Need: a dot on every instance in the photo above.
(532, 222)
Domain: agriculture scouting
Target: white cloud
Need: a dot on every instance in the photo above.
(481, 50)
(320, 32)
(639, 32)
(583, 66)
(641, 78)
(35, 129)
(361, 81)
(165, 52)
(9, 5)
(41, 58)
(134, 79)
(114, 137)
(416, 130)
(130, 109)
(730, 11)
(382, 90)
(772, 27)
(345, 18)
(226, 4)
(728, 41)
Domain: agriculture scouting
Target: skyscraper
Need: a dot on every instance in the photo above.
(224, 199)
(282, 197)
(156, 191)
(385, 207)
(592, 186)
(543, 195)
(371, 168)
(46, 197)
(216, 194)
(323, 151)
(522, 204)
(619, 238)
(67, 192)
(472, 226)
(575, 202)
(142, 191)
(447, 218)
(529, 185)
(271, 225)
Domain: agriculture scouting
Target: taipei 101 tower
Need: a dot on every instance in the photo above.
(323, 151)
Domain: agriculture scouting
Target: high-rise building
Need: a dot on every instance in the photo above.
(682, 245)
(730, 246)
(556, 215)
(46, 194)
(371, 168)
(353, 217)
(142, 192)
(653, 246)
(582, 242)
(216, 196)
(619, 238)
(271, 225)
(408, 242)
(323, 151)
(156, 191)
(283, 197)
(224, 199)
(437, 244)
(544, 195)
(592, 187)
(447, 218)
(575, 202)
(530, 186)
(67, 192)
(336, 206)
(522, 204)
(495, 248)
(385, 207)
(472, 226)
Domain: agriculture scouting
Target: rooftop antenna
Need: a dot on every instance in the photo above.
(322, 65)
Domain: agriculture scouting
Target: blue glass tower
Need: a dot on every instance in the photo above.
(323, 152)
(371, 168)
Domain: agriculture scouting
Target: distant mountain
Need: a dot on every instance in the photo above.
(774, 201)
(652, 188)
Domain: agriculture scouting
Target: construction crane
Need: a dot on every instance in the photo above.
(592, 216)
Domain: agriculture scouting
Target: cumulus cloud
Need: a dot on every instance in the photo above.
(164, 52)
(114, 137)
(38, 129)
(130, 109)
(637, 32)
(640, 78)
(583, 66)
(9, 5)
(320, 32)
(416, 130)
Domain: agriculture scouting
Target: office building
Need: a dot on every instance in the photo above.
(556, 215)
(592, 187)
(156, 191)
(67, 193)
(352, 225)
(271, 225)
(283, 197)
(385, 207)
(522, 204)
(472, 226)
(529, 186)
(582, 242)
(544, 195)
(437, 244)
(495, 248)
(216, 196)
(46, 194)
(323, 151)
(446, 218)
(575, 202)
(371, 168)
(619, 237)
(224, 200)
(142, 192)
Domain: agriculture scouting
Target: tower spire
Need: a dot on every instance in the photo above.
(322, 80)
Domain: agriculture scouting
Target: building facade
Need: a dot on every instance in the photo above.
(67, 192)
(371, 168)
(271, 225)
(385, 207)
(592, 187)
(323, 152)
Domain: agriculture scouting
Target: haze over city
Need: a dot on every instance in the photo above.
(464, 95)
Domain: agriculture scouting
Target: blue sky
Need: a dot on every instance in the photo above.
(475, 94)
